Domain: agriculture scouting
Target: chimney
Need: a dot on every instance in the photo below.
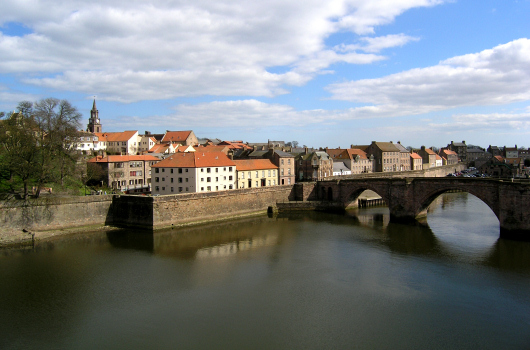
(306, 151)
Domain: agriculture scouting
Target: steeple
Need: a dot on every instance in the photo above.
(94, 125)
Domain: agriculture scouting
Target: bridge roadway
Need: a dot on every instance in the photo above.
(409, 198)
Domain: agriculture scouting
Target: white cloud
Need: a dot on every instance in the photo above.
(492, 77)
(132, 50)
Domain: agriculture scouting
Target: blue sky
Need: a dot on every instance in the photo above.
(324, 73)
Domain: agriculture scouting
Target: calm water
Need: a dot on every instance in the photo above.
(306, 281)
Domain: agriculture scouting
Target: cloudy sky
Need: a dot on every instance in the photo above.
(324, 73)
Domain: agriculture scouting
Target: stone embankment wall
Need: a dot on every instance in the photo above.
(173, 210)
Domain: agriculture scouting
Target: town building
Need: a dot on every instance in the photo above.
(416, 161)
(387, 157)
(285, 163)
(428, 156)
(313, 166)
(511, 152)
(404, 157)
(181, 137)
(123, 143)
(186, 172)
(256, 173)
(460, 148)
(450, 156)
(126, 173)
(355, 159)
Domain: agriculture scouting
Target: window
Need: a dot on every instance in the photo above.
(208, 179)
(269, 182)
(202, 188)
(163, 170)
(289, 181)
(202, 170)
(157, 188)
(263, 173)
(187, 189)
(172, 190)
(156, 179)
(180, 189)
(180, 180)
(249, 175)
(186, 170)
(202, 179)
(209, 170)
(216, 179)
(230, 187)
(172, 171)
(209, 188)
(163, 179)
(131, 182)
(242, 175)
(163, 188)
(257, 174)
(282, 161)
(180, 170)
(269, 173)
(230, 169)
(289, 171)
(289, 161)
(230, 178)
(171, 180)
(282, 172)
(216, 170)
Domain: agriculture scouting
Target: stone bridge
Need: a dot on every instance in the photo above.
(409, 198)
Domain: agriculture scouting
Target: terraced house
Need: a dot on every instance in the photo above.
(187, 172)
(256, 173)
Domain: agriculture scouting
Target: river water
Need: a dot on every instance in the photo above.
(302, 281)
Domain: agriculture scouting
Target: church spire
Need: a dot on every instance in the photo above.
(94, 125)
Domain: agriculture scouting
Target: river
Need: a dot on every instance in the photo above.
(303, 281)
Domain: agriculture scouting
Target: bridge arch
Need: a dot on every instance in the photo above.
(353, 193)
(426, 200)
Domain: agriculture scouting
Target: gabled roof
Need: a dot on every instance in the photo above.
(117, 136)
(340, 166)
(117, 159)
(254, 164)
(213, 148)
(415, 156)
(387, 146)
(283, 154)
(448, 152)
(195, 160)
(176, 136)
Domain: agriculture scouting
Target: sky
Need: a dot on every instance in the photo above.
(323, 73)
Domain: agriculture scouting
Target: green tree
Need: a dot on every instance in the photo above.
(37, 142)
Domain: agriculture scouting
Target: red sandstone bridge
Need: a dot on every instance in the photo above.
(409, 198)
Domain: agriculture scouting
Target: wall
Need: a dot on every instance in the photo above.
(49, 213)
(197, 207)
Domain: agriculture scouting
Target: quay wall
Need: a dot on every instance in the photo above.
(197, 207)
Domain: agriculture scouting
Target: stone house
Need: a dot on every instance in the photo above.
(387, 157)
(127, 173)
(181, 137)
(450, 156)
(355, 160)
(416, 161)
(313, 166)
(428, 156)
(285, 163)
(460, 148)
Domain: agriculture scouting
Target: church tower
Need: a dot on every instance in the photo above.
(94, 125)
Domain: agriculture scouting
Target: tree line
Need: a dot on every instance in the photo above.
(37, 145)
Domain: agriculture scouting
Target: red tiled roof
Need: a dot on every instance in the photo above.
(176, 136)
(117, 136)
(159, 148)
(116, 159)
(448, 152)
(254, 164)
(195, 160)
(415, 156)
